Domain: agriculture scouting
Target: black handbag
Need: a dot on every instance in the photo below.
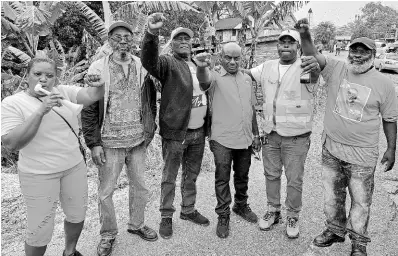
(81, 148)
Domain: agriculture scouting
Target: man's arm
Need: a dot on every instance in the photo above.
(91, 126)
(151, 61)
(203, 73)
(307, 44)
(390, 130)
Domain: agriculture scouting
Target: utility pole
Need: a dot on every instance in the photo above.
(310, 17)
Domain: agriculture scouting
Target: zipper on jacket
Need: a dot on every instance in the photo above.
(190, 109)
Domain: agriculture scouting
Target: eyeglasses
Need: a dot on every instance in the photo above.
(229, 58)
(180, 39)
(127, 38)
(361, 52)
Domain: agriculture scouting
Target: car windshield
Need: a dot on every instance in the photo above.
(392, 56)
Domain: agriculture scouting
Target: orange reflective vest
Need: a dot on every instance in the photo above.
(288, 105)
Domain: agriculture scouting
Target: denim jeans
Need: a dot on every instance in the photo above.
(109, 172)
(223, 158)
(337, 175)
(188, 154)
(290, 153)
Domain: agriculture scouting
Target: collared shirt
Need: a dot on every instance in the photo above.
(232, 100)
(122, 123)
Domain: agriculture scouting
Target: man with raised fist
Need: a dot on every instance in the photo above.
(234, 131)
(359, 99)
(182, 116)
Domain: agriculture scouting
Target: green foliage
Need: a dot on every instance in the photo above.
(187, 19)
(324, 32)
(68, 29)
(361, 30)
(379, 18)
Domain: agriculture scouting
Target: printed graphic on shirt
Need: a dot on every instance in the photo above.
(351, 100)
(199, 101)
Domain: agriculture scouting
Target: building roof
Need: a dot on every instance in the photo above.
(343, 38)
(229, 23)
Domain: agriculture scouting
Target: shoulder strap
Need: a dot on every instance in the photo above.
(65, 122)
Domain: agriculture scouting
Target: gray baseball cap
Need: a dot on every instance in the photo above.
(120, 23)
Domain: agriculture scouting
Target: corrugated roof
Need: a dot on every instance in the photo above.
(229, 23)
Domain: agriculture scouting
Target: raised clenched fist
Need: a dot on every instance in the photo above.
(155, 22)
(302, 25)
(203, 59)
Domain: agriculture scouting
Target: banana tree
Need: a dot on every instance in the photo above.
(258, 15)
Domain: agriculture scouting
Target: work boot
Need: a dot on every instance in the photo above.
(196, 218)
(269, 219)
(145, 233)
(358, 249)
(105, 246)
(327, 238)
(166, 228)
(245, 212)
(223, 226)
(292, 228)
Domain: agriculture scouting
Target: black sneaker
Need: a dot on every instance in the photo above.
(196, 218)
(145, 233)
(245, 212)
(166, 228)
(223, 227)
(327, 238)
(105, 246)
(76, 253)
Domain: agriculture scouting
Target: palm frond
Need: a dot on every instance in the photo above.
(8, 11)
(90, 43)
(96, 22)
(9, 27)
(158, 6)
(55, 8)
(20, 55)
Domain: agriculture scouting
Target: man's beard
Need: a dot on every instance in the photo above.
(359, 68)
(123, 54)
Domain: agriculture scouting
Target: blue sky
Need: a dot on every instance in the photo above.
(339, 12)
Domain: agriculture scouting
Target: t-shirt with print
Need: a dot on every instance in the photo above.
(54, 148)
(199, 102)
(353, 106)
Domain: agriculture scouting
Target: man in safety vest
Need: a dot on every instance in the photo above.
(288, 112)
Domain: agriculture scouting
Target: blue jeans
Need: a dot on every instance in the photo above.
(109, 172)
(189, 154)
(337, 175)
(223, 158)
(290, 153)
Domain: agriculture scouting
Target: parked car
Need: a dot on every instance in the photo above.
(392, 47)
(380, 47)
(387, 61)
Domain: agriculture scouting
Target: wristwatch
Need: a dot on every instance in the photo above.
(256, 136)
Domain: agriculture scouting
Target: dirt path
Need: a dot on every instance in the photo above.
(189, 239)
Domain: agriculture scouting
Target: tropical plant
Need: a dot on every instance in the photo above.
(324, 32)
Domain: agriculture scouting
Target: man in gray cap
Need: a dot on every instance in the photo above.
(357, 96)
(114, 132)
(288, 111)
(182, 116)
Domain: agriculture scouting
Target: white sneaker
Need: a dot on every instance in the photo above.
(292, 228)
(269, 219)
